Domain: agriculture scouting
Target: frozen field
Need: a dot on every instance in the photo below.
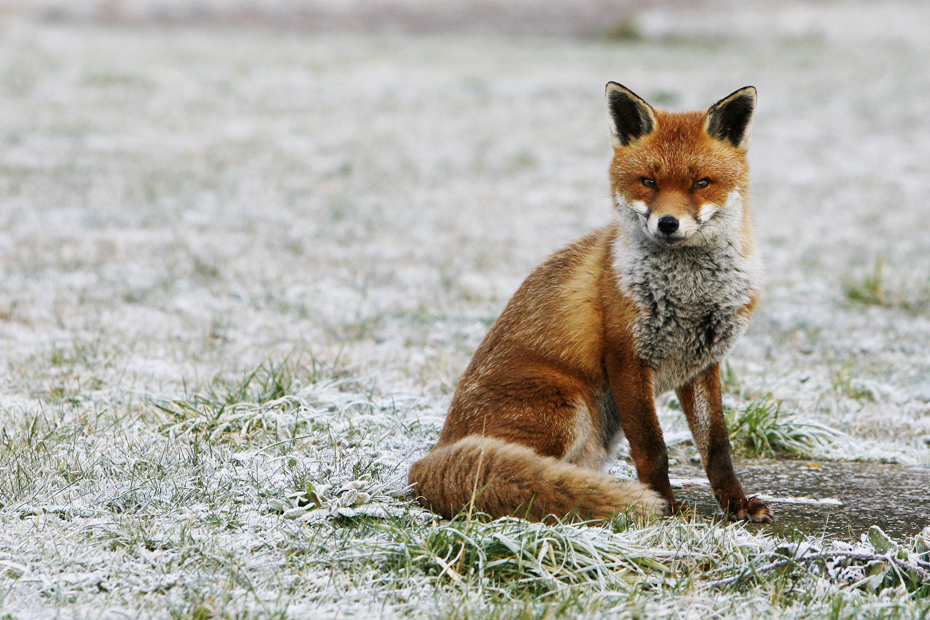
(239, 264)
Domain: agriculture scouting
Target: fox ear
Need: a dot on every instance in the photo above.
(730, 119)
(631, 118)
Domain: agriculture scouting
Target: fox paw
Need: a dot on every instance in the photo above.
(751, 509)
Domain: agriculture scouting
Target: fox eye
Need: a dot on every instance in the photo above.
(701, 184)
(651, 184)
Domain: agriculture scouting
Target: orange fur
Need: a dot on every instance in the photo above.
(510, 479)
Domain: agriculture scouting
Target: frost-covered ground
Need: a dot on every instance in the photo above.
(242, 269)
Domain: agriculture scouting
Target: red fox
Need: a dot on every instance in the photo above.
(650, 303)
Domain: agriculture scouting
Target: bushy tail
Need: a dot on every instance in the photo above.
(509, 479)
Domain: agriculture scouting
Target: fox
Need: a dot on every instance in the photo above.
(650, 303)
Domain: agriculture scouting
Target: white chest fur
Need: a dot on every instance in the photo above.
(689, 303)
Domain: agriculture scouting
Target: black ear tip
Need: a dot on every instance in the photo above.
(746, 92)
(617, 92)
(615, 87)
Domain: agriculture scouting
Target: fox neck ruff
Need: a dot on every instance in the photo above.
(691, 301)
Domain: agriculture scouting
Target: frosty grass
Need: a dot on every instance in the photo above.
(243, 269)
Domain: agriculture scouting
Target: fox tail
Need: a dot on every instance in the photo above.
(505, 479)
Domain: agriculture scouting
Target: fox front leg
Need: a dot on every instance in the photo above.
(701, 401)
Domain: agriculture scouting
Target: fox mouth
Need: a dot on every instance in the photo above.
(668, 242)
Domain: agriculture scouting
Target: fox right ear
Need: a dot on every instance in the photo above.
(631, 118)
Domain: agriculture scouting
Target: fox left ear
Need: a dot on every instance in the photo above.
(730, 119)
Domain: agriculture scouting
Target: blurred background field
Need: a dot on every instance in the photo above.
(194, 198)
(206, 204)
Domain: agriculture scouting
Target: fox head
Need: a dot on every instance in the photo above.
(681, 179)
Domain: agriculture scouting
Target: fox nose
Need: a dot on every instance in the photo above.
(668, 225)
